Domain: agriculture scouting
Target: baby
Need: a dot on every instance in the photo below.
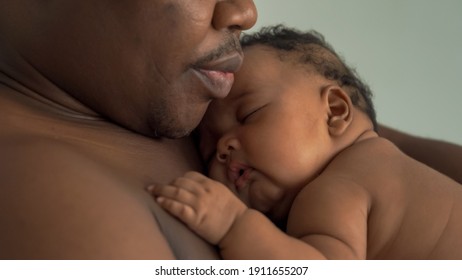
(294, 144)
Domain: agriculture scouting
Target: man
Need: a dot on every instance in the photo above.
(89, 93)
(87, 88)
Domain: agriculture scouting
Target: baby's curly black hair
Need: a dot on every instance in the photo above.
(311, 48)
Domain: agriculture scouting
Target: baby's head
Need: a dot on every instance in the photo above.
(311, 50)
(289, 112)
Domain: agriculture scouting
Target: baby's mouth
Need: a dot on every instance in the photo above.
(239, 175)
(243, 180)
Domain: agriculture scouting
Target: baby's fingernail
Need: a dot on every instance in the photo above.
(150, 188)
(159, 199)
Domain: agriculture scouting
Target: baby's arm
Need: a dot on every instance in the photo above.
(215, 213)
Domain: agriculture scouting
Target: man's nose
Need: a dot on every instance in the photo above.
(236, 15)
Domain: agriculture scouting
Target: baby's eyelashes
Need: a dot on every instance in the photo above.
(250, 113)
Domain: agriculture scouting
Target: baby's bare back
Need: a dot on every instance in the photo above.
(415, 212)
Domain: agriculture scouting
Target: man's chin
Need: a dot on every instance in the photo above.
(173, 128)
(172, 132)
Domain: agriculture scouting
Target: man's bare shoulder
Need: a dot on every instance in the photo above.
(59, 203)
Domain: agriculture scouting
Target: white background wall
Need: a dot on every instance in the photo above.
(408, 51)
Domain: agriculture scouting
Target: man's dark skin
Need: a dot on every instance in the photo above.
(90, 93)
(87, 88)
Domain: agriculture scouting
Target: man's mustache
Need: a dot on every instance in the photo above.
(231, 45)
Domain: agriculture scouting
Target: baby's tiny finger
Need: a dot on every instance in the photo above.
(176, 193)
(180, 210)
(188, 184)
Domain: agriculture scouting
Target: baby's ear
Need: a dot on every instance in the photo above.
(340, 113)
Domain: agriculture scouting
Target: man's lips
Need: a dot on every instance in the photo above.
(226, 63)
(217, 83)
(218, 75)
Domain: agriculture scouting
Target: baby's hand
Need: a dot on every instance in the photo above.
(205, 205)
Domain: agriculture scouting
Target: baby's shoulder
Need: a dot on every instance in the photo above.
(373, 147)
(368, 154)
(366, 165)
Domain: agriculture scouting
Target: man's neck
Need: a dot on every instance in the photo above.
(17, 74)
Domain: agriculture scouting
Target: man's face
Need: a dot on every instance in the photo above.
(152, 66)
